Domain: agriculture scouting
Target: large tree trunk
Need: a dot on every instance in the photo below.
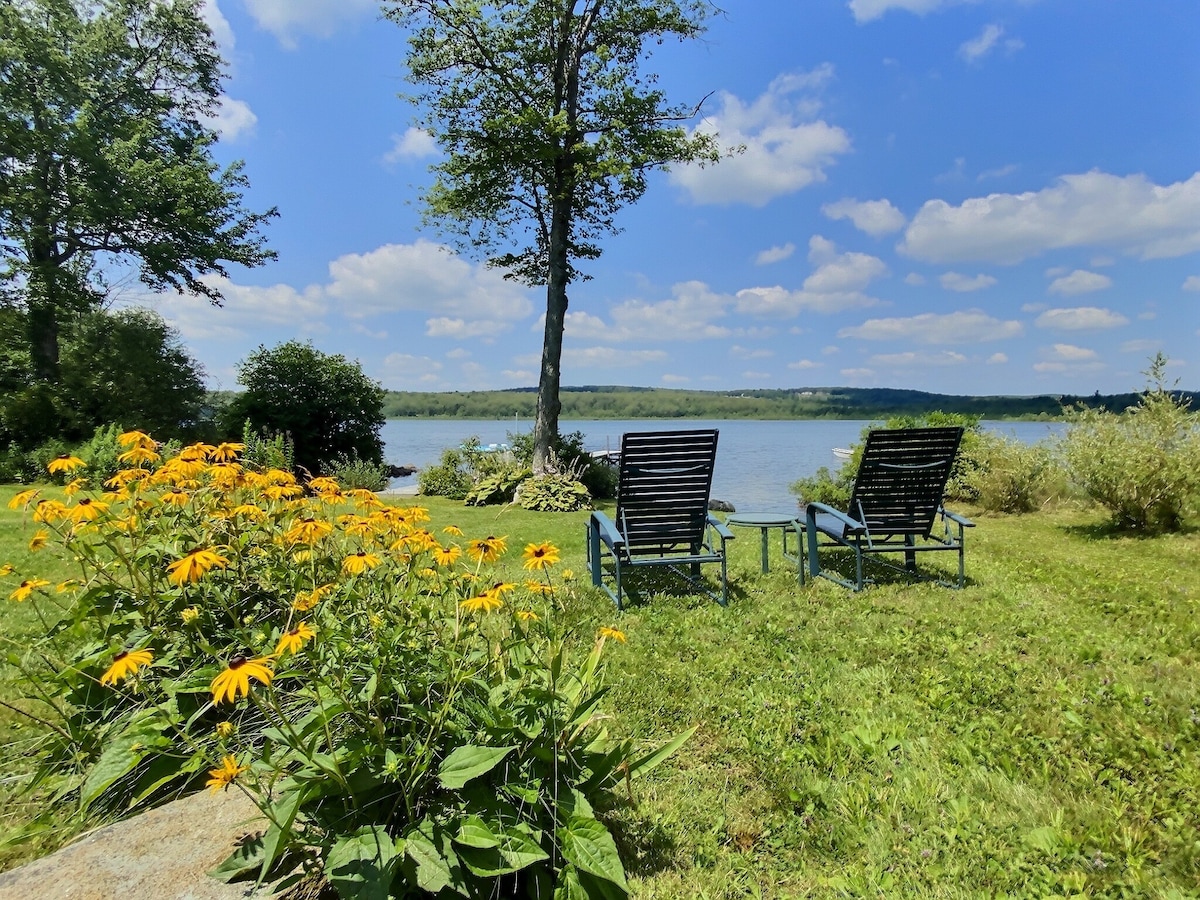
(43, 303)
(545, 426)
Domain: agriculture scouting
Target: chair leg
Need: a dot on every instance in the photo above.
(593, 553)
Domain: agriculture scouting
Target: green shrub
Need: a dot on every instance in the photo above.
(353, 473)
(267, 450)
(497, 487)
(554, 493)
(100, 454)
(1143, 464)
(827, 487)
(570, 455)
(1011, 477)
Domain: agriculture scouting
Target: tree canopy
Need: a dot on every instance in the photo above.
(107, 158)
(549, 126)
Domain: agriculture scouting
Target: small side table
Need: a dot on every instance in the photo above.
(764, 522)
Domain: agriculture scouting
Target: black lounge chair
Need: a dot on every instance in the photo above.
(897, 497)
(662, 516)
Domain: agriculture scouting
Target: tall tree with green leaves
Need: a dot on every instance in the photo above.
(105, 156)
(549, 125)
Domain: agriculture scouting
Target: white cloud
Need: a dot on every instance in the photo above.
(914, 279)
(219, 26)
(965, 327)
(675, 379)
(461, 329)
(739, 352)
(775, 254)
(977, 48)
(858, 374)
(785, 147)
(1071, 353)
(997, 359)
(1068, 359)
(804, 364)
(1192, 283)
(232, 118)
(848, 272)
(912, 359)
(1080, 318)
(521, 376)
(609, 357)
(407, 366)
(458, 353)
(688, 316)
(868, 10)
(964, 284)
(423, 276)
(415, 143)
(1143, 345)
(999, 172)
(245, 310)
(288, 19)
(875, 217)
(783, 303)
(756, 376)
(1130, 214)
(1079, 282)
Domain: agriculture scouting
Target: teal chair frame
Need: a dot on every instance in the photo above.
(894, 506)
(662, 516)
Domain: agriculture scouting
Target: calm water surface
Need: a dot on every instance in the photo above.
(756, 460)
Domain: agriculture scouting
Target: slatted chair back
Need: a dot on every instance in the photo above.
(902, 479)
(662, 494)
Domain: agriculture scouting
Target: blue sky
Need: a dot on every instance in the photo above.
(991, 197)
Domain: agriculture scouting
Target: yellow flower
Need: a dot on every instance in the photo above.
(301, 556)
(500, 588)
(38, 541)
(190, 615)
(224, 729)
(235, 680)
(223, 777)
(226, 452)
(125, 477)
(74, 486)
(198, 451)
(364, 498)
(226, 475)
(125, 664)
(447, 556)
(418, 514)
(539, 587)
(22, 499)
(308, 531)
(69, 585)
(138, 455)
(359, 562)
(453, 529)
(282, 491)
(250, 511)
(193, 566)
(49, 511)
(293, 640)
(135, 439)
(176, 497)
(6, 569)
(528, 615)
(614, 633)
(540, 556)
(306, 600)
(485, 602)
(324, 485)
(568, 575)
(65, 464)
(487, 549)
(357, 526)
(27, 587)
(86, 510)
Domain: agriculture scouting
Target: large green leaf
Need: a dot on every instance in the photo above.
(650, 760)
(359, 865)
(490, 850)
(434, 862)
(469, 762)
(587, 843)
(245, 858)
(141, 737)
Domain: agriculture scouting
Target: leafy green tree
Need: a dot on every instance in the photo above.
(550, 126)
(106, 156)
(331, 411)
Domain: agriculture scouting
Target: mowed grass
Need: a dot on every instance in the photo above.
(1037, 733)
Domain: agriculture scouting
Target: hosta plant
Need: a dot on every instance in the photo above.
(403, 707)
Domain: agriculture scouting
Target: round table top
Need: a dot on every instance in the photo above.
(761, 520)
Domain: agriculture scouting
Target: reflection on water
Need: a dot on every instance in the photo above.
(756, 460)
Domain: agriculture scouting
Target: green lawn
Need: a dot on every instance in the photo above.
(1037, 733)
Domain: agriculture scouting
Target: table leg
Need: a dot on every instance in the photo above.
(765, 531)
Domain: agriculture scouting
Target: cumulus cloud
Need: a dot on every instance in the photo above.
(775, 254)
(914, 279)
(868, 10)
(689, 315)
(1192, 283)
(407, 366)
(609, 357)
(1080, 318)
(804, 364)
(221, 30)
(845, 273)
(965, 284)
(232, 118)
(875, 217)
(784, 146)
(985, 42)
(1130, 214)
(288, 19)
(912, 359)
(780, 302)
(415, 143)
(461, 329)
(997, 359)
(1079, 282)
(1068, 359)
(971, 326)
(1142, 345)
(739, 352)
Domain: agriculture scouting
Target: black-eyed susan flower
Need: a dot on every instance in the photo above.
(74, 486)
(65, 464)
(447, 556)
(175, 497)
(615, 633)
(528, 615)
(190, 615)
(234, 682)
(223, 777)
(282, 491)
(49, 511)
(86, 510)
(540, 556)
(64, 586)
(324, 485)
(6, 569)
(226, 452)
(250, 511)
(26, 588)
(357, 563)
(135, 439)
(22, 499)
(292, 641)
(38, 541)
(125, 664)
(417, 514)
(487, 549)
(224, 729)
(358, 526)
(539, 587)
(453, 529)
(500, 588)
(136, 456)
(193, 566)
(483, 603)
(308, 531)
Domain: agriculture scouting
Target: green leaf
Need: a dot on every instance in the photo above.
(489, 851)
(282, 815)
(643, 765)
(587, 843)
(435, 862)
(359, 865)
(247, 857)
(140, 738)
(469, 762)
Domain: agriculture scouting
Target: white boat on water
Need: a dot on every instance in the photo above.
(842, 452)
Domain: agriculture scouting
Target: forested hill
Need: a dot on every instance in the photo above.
(611, 402)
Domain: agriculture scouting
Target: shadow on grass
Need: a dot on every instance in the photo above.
(642, 585)
(1110, 531)
(880, 572)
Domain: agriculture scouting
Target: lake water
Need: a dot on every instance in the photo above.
(756, 459)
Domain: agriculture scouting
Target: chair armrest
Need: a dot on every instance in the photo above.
(607, 530)
(955, 517)
(812, 509)
(721, 528)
